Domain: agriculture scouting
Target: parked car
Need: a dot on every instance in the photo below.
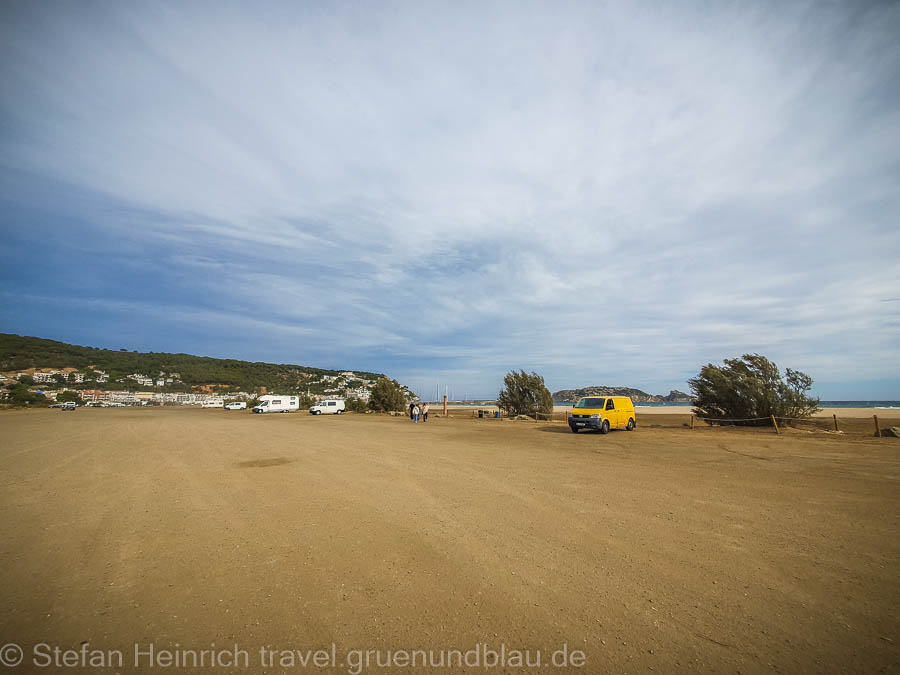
(328, 407)
(602, 413)
(236, 405)
(68, 405)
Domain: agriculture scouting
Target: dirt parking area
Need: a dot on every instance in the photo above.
(665, 548)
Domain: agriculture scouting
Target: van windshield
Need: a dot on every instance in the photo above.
(262, 403)
(591, 403)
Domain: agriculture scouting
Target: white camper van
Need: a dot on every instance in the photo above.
(328, 407)
(274, 403)
(214, 403)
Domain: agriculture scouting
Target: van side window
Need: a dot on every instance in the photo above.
(331, 403)
(276, 402)
(609, 404)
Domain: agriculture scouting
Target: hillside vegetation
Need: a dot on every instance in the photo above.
(635, 395)
(18, 353)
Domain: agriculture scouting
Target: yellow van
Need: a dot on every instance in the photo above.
(602, 413)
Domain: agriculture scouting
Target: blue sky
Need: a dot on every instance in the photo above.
(606, 193)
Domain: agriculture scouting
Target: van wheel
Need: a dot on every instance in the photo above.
(339, 412)
(604, 428)
(630, 426)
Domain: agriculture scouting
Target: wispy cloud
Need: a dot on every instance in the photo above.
(611, 193)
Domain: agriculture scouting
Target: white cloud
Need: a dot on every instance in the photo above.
(482, 188)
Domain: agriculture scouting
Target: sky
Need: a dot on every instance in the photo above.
(604, 193)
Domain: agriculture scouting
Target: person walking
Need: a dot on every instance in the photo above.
(412, 404)
(425, 412)
(416, 413)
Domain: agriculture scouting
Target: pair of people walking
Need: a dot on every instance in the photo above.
(415, 411)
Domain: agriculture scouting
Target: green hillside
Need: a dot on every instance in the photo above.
(19, 353)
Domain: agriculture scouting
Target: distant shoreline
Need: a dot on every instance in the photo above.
(823, 412)
(841, 409)
(839, 405)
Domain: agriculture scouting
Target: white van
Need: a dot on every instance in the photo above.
(329, 407)
(236, 405)
(275, 403)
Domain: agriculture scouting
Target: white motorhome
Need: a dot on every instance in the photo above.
(275, 403)
(214, 403)
(329, 406)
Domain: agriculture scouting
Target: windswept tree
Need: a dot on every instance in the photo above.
(19, 395)
(524, 394)
(69, 395)
(356, 405)
(751, 389)
(387, 396)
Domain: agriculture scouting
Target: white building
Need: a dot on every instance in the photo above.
(121, 397)
(142, 380)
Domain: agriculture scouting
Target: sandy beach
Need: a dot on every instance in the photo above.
(664, 548)
(824, 412)
(686, 410)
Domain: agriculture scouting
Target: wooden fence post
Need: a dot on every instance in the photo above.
(775, 424)
(835, 423)
(877, 428)
(692, 421)
(445, 405)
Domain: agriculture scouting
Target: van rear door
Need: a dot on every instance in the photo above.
(626, 410)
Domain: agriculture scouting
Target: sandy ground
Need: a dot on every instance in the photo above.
(668, 548)
(824, 412)
(686, 410)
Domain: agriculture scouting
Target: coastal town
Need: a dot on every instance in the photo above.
(94, 387)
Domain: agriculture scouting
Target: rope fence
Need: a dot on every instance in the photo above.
(821, 423)
(816, 422)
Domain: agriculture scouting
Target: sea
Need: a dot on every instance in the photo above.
(875, 405)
